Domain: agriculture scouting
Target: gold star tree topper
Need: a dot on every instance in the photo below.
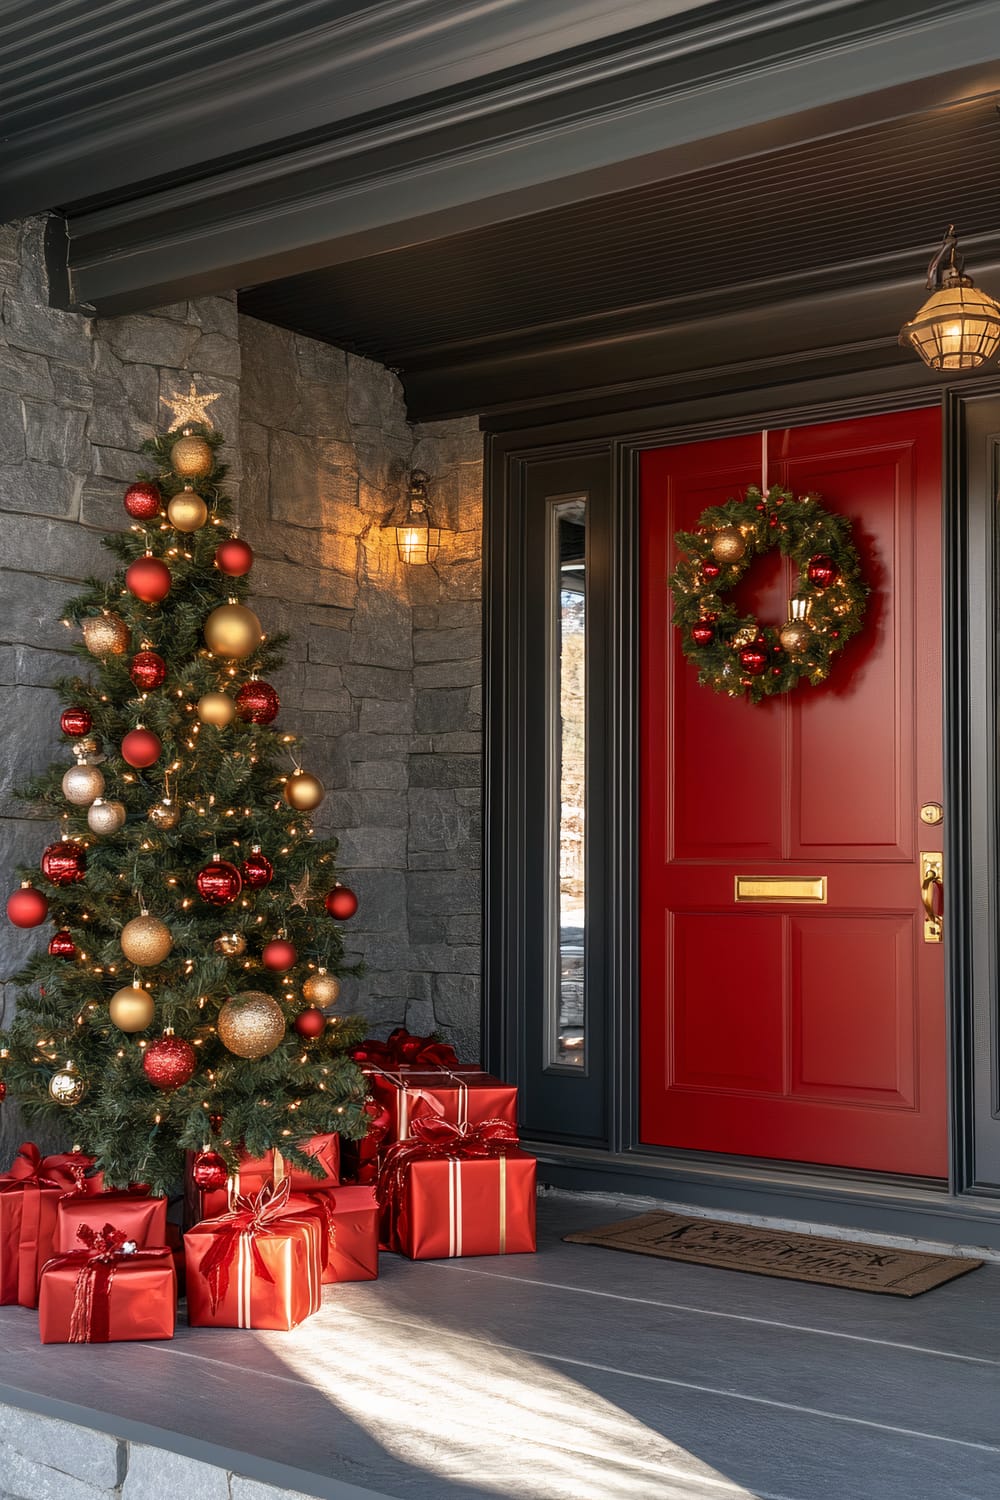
(190, 408)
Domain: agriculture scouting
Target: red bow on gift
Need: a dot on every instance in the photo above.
(434, 1139)
(103, 1252)
(248, 1216)
(30, 1169)
(401, 1047)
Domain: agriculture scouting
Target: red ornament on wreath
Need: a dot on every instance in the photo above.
(257, 702)
(310, 1023)
(257, 870)
(169, 1062)
(3, 1091)
(75, 722)
(822, 570)
(710, 569)
(209, 1171)
(148, 670)
(753, 658)
(341, 902)
(148, 579)
(61, 945)
(141, 748)
(27, 907)
(65, 862)
(703, 633)
(143, 500)
(219, 883)
(279, 955)
(234, 557)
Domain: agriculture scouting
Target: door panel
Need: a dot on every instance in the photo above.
(779, 1030)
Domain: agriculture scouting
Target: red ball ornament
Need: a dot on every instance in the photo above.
(141, 747)
(76, 721)
(209, 1171)
(278, 954)
(219, 883)
(753, 659)
(710, 570)
(169, 1062)
(234, 557)
(65, 862)
(61, 945)
(822, 570)
(27, 907)
(148, 579)
(341, 902)
(257, 702)
(702, 633)
(148, 670)
(143, 500)
(257, 871)
(310, 1023)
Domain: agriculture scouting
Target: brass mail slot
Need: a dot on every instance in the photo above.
(780, 888)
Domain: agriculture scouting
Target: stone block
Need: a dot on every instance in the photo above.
(436, 820)
(215, 315)
(464, 580)
(25, 665)
(373, 848)
(446, 674)
(314, 482)
(177, 311)
(269, 372)
(322, 410)
(93, 1458)
(401, 984)
(55, 435)
(29, 740)
(12, 423)
(252, 1489)
(442, 958)
(467, 927)
(382, 898)
(377, 775)
(385, 718)
(457, 999)
(70, 386)
(460, 741)
(144, 340)
(215, 354)
(116, 463)
(445, 770)
(439, 710)
(158, 1472)
(45, 330)
(442, 893)
(101, 506)
(466, 1040)
(28, 1479)
(40, 490)
(318, 361)
(299, 584)
(31, 609)
(25, 374)
(382, 683)
(381, 630)
(447, 645)
(419, 1016)
(374, 395)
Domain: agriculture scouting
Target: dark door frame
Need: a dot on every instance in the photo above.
(967, 1207)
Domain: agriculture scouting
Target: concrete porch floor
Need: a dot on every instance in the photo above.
(578, 1372)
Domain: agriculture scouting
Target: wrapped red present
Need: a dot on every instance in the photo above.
(258, 1266)
(29, 1197)
(462, 1096)
(256, 1172)
(142, 1217)
(351, 1227)
(107, 1290)
(452, 1192)
(403, 1048)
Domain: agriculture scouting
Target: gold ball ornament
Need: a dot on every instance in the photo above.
(216, 708)
(106, 635)
(131, 1008)
(321, 988)
(165, 814)
(233, 631)
(251, 1024)
(146, 940)
(187, 511)
(230, 944)
(303, 791)
(105, 817)
(191, 457)
(83, 784)
(794, 636)
(66, 1086)
(728, 544)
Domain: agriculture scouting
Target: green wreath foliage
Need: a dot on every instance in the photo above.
(813, 538)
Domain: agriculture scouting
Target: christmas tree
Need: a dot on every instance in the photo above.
(181, 1003)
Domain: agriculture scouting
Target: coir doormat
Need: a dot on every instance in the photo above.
(771, 1252)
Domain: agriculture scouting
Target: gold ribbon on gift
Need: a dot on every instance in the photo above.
(234, 1189)
(455, 1204)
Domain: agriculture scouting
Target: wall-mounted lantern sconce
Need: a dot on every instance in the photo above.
(417, 541)
(958, 327)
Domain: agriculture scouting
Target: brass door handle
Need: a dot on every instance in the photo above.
(931, 875)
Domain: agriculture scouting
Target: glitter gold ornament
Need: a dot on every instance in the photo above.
(83, 784)
(106, 635)
(251, 1024)
(794, 636)
(131, 1008)
(230, 944)
(187, 511)
(216, 708)
(303, 791)
(146, 940)
(191, 457)
(165, 814)
(105, 817)
(233, 631)
(321, 988)
(66, 1086)
(728, 544)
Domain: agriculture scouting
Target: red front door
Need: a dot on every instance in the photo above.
(805, 1032)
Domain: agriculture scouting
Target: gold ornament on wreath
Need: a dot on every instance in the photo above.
(736, 653)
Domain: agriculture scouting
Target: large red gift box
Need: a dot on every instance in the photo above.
(258, 1266)
(463, 1096)
(448, 1192)
(29, 1198)
(256, 1172)
(351, 1220)
(142, 1217)
(100, 1294)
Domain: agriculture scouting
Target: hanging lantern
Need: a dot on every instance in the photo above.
(958, 327)
(417, 541)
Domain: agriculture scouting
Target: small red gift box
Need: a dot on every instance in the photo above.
(29, 1197)
(258, 1266)
(462, 1096)
(142, 1218)
(448, 1192)
(107, 1291)
(256, 1172)
(351, 1222)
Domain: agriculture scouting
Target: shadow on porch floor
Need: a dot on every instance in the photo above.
(578, 1372)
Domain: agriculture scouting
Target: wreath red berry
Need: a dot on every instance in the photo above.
(736, 654)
